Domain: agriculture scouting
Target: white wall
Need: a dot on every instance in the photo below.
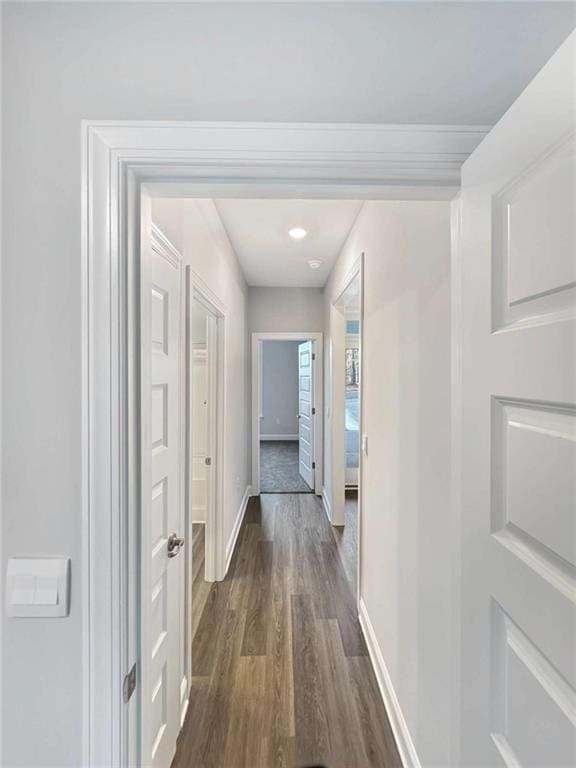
(279, 394)
(283, 310)
(195, 228)
(405, 533)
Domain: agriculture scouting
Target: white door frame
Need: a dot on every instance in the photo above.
(257, 339)
(214, 546)
(338, 405)
(196, 160)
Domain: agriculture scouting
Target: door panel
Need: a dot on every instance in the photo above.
(162, 576)
(306, 415)
(518, 510)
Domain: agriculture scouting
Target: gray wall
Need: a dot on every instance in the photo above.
(283, 310)
(66, 62)
(279, 408)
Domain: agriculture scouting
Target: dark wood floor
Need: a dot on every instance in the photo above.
(281, 675)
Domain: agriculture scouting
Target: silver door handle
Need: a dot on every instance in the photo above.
(175, 544)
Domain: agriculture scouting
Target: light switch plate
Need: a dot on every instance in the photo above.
(38, 587)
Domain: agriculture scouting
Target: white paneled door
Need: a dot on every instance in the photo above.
(306, 412)
(518, 475)
(162, 570)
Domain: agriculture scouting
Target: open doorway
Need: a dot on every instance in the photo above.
(286, 429)
(286, 433)
(352, 405)
(205, 424)
(347, 430)
(118, 160)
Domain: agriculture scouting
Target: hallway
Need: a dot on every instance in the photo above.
(281, 675)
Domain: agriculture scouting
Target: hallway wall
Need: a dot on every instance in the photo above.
(282, 310)
(279, 394)
(405, 532)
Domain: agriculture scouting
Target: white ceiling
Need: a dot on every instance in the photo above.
(258, 230)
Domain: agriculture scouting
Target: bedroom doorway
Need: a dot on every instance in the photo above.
(287, 424)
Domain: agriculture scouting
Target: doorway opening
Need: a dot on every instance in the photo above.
(352, 407)
(348, 439)
(286, 413)
(286, 401)
(119, 160)
(205, 425)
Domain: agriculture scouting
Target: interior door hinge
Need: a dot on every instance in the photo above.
(129, 684)
(313, 355)
(313, 411)
(313, 465)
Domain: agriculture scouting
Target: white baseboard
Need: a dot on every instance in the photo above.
(199, 515)
(326, 504)
(278, 437)
(237, 525)
(404, 742)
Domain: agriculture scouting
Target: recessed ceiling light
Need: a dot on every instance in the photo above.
(297, 233)
(314, 263)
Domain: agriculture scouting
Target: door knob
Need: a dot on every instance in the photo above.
(175, 544)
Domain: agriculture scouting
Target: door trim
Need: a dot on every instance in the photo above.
(317, 340)
(189, 159)
(215, 546)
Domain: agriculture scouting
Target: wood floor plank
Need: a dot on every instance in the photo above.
(280, 678)
(376, 732)
(242, 567)
(346, 749)
(213, 726)
(344, 602)
(245, 744)
(204, 654)
(256, 626)
(312, 742)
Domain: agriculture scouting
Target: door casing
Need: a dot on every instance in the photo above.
(215, 546)
(194, 160)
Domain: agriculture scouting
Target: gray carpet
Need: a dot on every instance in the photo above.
(279, 468)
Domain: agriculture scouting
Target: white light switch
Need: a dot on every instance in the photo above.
(46, 592)
(38, 587)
